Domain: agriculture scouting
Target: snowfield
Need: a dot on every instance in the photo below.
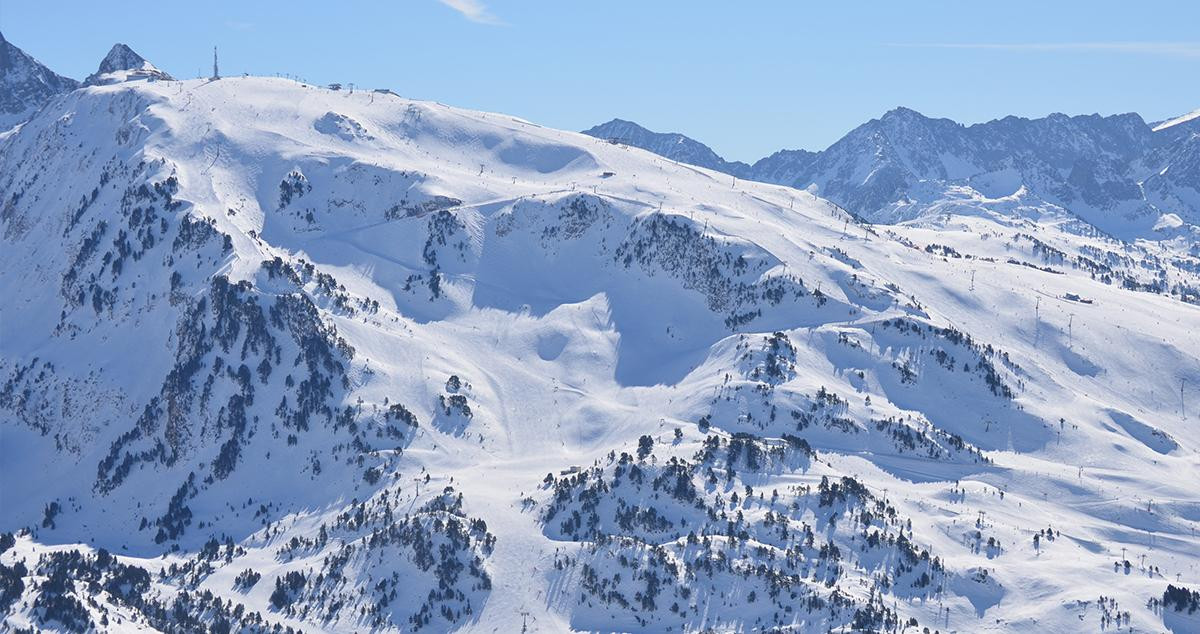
(276, 356)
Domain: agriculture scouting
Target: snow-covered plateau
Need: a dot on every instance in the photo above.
(275, 357)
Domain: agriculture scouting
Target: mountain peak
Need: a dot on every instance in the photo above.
(25, 84)
(903, 112)
(123, 64)
(904, 116)
(121, 57)
(620, 121)
(620, 129)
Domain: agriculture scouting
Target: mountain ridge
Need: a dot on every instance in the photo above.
(673, 145)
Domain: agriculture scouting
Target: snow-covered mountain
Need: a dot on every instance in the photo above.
(123, 64)
(672, 145)
(278, 357)
(25, 84)
(905, 165)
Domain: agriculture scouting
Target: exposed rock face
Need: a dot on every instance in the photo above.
(25, 84)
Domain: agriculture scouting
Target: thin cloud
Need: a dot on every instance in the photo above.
(1175, 49)
(473, 10)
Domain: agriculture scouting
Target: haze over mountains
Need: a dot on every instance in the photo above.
(278, 358)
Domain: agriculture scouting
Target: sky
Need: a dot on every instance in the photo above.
(746, 78)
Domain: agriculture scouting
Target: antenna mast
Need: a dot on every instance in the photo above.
(216, 74)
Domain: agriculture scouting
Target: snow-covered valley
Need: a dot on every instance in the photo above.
(277, 356)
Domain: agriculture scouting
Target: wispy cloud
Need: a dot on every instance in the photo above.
(1174, 49)
(238, 25)
(473, 10)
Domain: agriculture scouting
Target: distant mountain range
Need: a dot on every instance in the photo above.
(1118, 173)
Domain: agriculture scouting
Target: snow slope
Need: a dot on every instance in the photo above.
(1163, 125)
(335, 361)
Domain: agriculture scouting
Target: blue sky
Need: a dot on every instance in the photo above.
(747, 78)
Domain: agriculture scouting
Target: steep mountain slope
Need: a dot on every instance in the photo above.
(1190, 119)
(1176, 187)
(25, 84)
(903, 165)
(276, 356)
